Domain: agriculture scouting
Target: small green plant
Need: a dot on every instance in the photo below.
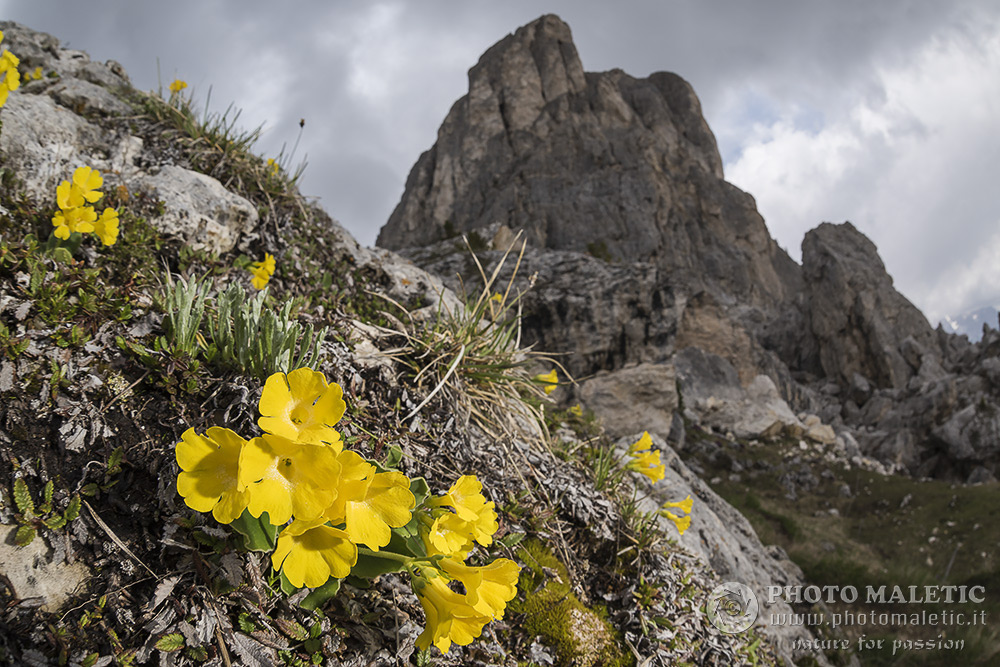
(11, 346)
(34, 517)
(249, 337)
(183, 303)
(112, 468)
(474, 356)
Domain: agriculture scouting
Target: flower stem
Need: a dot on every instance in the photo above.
(388, 555)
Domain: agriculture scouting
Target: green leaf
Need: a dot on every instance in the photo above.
(171, 642)
(115, 460)
(292, 629)
(22, 497)
(258, 534)
(55, 521)
(73, 509)
(246, 625)
(512, 539)
(370, 567)
(90, 660)
(286, 586)
(320, 596)
(393, 457)
(89, 490)
(420, 490)
(46, 506)
(24, 536)
(62, 255)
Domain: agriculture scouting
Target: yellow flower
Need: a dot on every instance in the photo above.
(645, 460)
(11, 78)
(370, 503)
(682, 522)
(302, 406)
(80, 219)
(648, 463)
(450, 618)
(81, 191)
(474, 519)
(106, 226)
(288, 478)
(488, 589)
(310, 552)
(260, 278)
(209, 481)
(273, 165)
(465, 496)
(683, 505)
(644, 443)
(448, 535)
(576, 410)
(550, 381)
(37, 73)
(262, 271)
(177, 86)
(497, 297)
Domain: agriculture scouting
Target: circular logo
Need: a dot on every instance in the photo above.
(732, 607)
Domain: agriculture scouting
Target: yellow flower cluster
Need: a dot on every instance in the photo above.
(335, 507)
(273, 165)
(646, 460)
(262, 271)
(75, 213)
(34, 74)
(548, 380)
(10, 78)
(681, 522)
(451, 616)
(177, 86)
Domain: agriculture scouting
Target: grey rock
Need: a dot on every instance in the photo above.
(34, 573)
(84, 97)
(644, 395)
(197, 208)
(601, 163)
(857, 317)
(981, 475)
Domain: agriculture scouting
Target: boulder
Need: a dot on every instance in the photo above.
(643, 395)
(197, 208)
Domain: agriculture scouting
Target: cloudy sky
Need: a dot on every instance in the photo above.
(883, 113)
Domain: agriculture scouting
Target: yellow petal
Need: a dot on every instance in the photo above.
(309, 553)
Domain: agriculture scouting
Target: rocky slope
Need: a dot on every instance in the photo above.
(639, 249)
(94, 396)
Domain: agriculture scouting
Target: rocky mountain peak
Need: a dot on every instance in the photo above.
(603, 163)
(527, 69)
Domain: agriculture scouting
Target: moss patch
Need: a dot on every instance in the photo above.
(580, 636)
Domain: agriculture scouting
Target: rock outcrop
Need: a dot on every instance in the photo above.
(639, 250)
(860, 324)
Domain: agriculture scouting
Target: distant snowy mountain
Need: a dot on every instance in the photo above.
(971, 322)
